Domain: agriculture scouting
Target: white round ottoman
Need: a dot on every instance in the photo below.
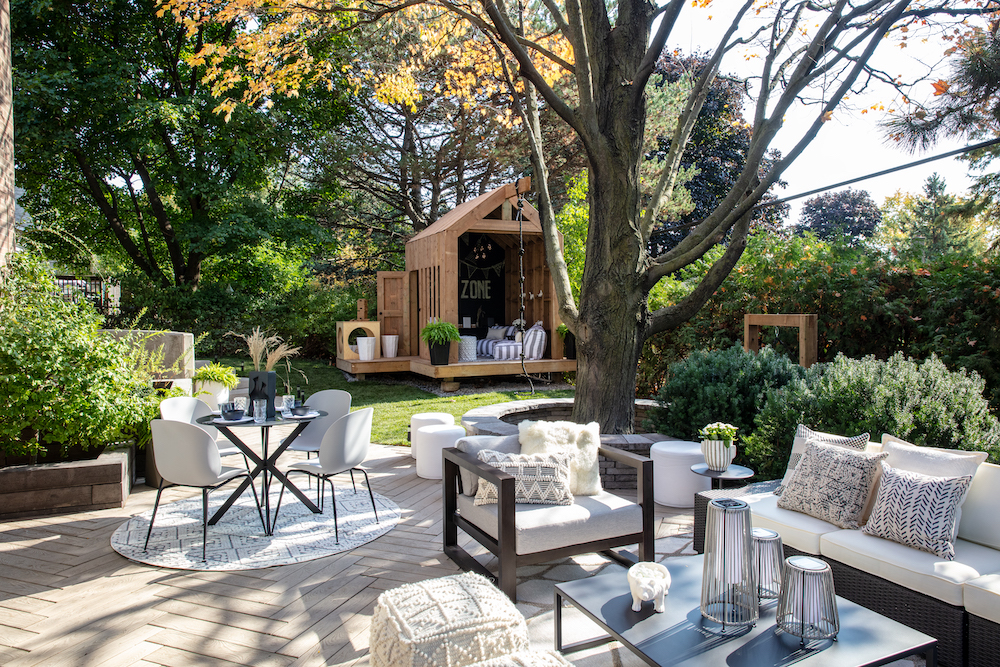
(674, 485)
(422, 419)
(432, 440)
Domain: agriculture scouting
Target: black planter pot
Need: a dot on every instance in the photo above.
(263, 384)
(439, 354)
(569, 345)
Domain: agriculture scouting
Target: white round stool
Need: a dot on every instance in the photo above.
(432, 440)
(674, 485)
(422, 419)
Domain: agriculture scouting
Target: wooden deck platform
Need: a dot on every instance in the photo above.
(451, 372)
(67, 599)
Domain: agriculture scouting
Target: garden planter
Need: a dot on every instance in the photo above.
(366, 348)
(263, 384)
(216, 393)
(439, 354)
(390, 345)
(717, 455)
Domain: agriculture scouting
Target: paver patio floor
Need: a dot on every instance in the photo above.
(66, 598)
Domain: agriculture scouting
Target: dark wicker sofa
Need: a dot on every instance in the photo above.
(964, 639)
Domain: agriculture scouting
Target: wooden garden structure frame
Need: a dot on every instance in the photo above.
(429, 287)
(806, 323)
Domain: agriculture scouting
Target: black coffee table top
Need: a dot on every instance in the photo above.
(680, 636)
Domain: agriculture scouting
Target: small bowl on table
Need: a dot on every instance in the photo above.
(232, 415)
(301, 410)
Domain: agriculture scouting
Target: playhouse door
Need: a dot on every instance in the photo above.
(392, 306)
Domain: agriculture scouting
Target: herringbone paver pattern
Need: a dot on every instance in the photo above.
(67, 599)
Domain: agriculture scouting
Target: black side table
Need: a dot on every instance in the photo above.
(732, 473)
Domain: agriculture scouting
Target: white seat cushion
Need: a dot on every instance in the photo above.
(980, 522)
(908, 567)
(799, 531)
(544, 527)
(982, 597)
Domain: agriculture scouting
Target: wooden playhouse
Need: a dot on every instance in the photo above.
(464, 269)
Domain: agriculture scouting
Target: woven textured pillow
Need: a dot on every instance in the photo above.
(539, 479)
(582, 441)
(832, 483)
(804, 434)
(917, 510)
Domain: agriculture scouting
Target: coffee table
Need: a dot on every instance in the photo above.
(681, 637)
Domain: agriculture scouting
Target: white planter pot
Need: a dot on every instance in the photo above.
(717, 455)
(390, 345)
(217, 393)
(366, 348)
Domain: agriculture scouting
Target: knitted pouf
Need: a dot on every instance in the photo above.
(527, 659)
(448, 622)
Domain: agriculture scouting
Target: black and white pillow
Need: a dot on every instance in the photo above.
(539, 479)
(918, 510)
(832, 483)
(803, 435)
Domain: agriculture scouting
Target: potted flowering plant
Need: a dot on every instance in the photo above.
(717, 445)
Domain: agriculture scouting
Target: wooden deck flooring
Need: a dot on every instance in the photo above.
(66, 598)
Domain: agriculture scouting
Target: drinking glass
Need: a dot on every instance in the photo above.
(287, 402)
(260, 410)
(241, 403)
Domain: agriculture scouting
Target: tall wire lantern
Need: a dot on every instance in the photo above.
(729, 579)
(768, 556)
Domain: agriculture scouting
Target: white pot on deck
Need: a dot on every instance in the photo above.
(717, 455)
(217, 393)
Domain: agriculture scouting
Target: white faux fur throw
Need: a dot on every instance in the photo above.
(543, 437)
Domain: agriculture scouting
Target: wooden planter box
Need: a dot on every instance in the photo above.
(68, 486)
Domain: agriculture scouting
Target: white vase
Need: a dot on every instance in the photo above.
(717, 455)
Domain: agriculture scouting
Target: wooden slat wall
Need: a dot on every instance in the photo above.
(393, 304)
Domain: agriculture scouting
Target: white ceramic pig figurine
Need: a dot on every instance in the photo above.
(648, 581)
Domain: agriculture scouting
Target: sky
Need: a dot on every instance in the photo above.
(851, 144)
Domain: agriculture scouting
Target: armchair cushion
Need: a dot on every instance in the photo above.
(540, 479)
(544, 527)
(803, 435)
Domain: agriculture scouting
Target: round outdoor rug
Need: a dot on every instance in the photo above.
(237, 541)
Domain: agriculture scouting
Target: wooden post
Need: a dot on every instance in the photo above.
(6, 137)
(362, 309)
(808, 332)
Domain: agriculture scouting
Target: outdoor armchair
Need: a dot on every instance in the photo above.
(525, 534)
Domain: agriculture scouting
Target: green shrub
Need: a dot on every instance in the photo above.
(922, 402)
(63, 382)
(721, 385)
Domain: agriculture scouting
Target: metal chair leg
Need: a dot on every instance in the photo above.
(204, 523)
(370, 494)
(156, 505)
(352, 481)
(333, 501)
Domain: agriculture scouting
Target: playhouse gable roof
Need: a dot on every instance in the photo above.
(486, 213)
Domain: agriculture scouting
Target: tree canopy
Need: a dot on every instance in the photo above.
(120, 150)
(849, 214)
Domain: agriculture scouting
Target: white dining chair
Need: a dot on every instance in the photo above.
(186, 455)
(336, 403)
(344, 448)
(188, 409)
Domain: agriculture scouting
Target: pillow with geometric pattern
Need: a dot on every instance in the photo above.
(918, 510)
(539, 479)
(804, 434)
(832, 483)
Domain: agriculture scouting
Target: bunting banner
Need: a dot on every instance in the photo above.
(471, 269)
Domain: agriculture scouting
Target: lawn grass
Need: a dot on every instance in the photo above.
(394, 403)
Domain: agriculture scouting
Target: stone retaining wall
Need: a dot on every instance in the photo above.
(503, 418)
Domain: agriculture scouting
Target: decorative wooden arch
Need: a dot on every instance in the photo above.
(807, 325)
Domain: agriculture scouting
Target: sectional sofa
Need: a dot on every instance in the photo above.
(956, 601)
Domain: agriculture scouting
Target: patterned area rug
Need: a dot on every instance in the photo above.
(237, 541)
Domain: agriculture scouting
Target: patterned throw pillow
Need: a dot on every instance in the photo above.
(534, 342)
(917, 510)
(539, 479)
(832, 483)
(804, 434)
